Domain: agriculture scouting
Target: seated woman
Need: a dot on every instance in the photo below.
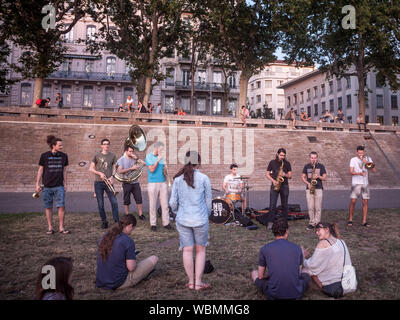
(304, 116)
(117, 267)
(63, 272)
(326, 264)
(181, 113)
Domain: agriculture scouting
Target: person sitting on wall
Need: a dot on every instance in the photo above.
(121, 108)
(181, 112)
(176, 111)
(304, 116)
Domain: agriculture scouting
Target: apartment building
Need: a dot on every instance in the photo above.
(263, 88)
(314, 93)
(102, 82)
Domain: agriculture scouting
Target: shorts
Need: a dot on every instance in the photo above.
(189, 236)
(133, 188)
(359, 189)
(56, 192)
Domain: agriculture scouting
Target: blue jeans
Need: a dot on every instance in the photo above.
(49, 194)
(99, 188)
(273, 199)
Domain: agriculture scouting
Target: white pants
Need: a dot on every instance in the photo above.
(158, 190)
(314, 204)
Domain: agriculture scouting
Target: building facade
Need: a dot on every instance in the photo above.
(263, 88)
(102, 82)
(314, 93)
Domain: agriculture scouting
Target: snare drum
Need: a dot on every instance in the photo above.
(234, 196)
(221, 211)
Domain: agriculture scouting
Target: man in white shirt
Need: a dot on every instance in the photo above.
(359, 181)
(233, 185)
(129, 104)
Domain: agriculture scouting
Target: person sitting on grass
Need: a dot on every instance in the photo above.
(117, 266)
(63, 272)
(326, 264)
(279, 274)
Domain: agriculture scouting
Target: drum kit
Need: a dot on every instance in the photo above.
(223, 208)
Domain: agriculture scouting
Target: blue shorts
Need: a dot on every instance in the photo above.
(189, 236)
(56, 192)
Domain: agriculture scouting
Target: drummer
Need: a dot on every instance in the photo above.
(233, 185)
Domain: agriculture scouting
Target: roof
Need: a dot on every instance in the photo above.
(301, 78)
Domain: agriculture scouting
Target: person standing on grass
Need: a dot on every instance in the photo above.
(117, 266)
(279, 275)
(191, 201)
(53, 173)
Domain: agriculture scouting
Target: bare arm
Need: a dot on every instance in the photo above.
(38, 177)
(93, 170)
(65, 178)
(261, 273)
(131, 265)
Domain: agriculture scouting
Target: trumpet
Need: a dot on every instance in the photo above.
(369, 164)
(36, 194)
(110, 186)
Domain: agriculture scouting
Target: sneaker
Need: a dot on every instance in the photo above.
(310, 227)
(142, 217)
(104, 225)
(153, 228)
(168, 227)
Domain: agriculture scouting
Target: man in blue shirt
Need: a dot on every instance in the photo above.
(279, 273)
(157, 186)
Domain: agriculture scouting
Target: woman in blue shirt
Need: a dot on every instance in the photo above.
(191, 201)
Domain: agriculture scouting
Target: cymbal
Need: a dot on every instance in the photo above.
(213, 189)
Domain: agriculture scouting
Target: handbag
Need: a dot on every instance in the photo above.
(347, 284)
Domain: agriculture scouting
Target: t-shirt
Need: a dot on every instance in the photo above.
(359, 166)
(60, 103)
(340, 116)
(143, 109)
(275, 165)
(129, 101)
(104, 163)
(282, 259)
(289, 116)
(125, 162)
(157, 109)
(53, 168)
(233, 185)
(158, 174)
(112, 273)
(319, 171)
(52, 295)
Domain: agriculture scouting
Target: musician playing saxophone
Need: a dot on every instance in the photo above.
(313, 175)
(279, 167)
(128, 162)
(103, 166)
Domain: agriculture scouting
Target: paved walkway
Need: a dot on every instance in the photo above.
(82, 202)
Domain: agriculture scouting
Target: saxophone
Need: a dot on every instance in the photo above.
(279, 178)
(313, 181)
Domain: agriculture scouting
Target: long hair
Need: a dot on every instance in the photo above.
(333, 228)
(107, 242)
(63, 268)
(192, 159)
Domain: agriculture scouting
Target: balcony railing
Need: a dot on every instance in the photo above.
(201, 86)
(98, 76)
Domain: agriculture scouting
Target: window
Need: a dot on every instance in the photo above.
(232, 80)
(268, 98)
(302, 97)
(110, 66)
(348, 82)
(348, 99)
(26, 97)
(201, 105)
(330, 87)
(315, 92)
(232, 107)
(379, 101)
(288, 101)
(217, 77)
(258, 98)
(331, 105)
(350, 119)
(323, 106)
(380, 120)
(69, 36)
(89, 66)
(258, 84)
(308, 94)
(339, 103)
(395, 121)
(185, 104)
(169, 103)
(67, 66)
(393, 102)
(315, 109)
(217, 106)
(252, 86)
(109, 97)
(268, 83)
(309, 111)
(46, 93)
(380, 81)
(322, 90)
(90, 32)
(339, 85)
(201, 76)
(66, 94)
(281, 98)
(295, 99)
(170, 80)
(87, 96)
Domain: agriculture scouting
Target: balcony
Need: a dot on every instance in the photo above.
(202, 86)
(95, 76)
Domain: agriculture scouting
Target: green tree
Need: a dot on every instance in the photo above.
(320, 31)
(141, 33)
(42, 48)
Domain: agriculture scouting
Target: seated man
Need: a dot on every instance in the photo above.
(121, 108)
(340, 116)
(304, 116)
(327, 116)
(361, 122)
(181, 113)
(279, 273)
(117, 266)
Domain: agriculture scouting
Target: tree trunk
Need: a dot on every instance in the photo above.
(243, 83)
(154, 44)
(193, 65)
(37, 91)
(361, 73)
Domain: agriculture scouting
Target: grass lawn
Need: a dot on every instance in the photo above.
(233, 250)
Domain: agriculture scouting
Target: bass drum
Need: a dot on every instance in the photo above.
(221, 210)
